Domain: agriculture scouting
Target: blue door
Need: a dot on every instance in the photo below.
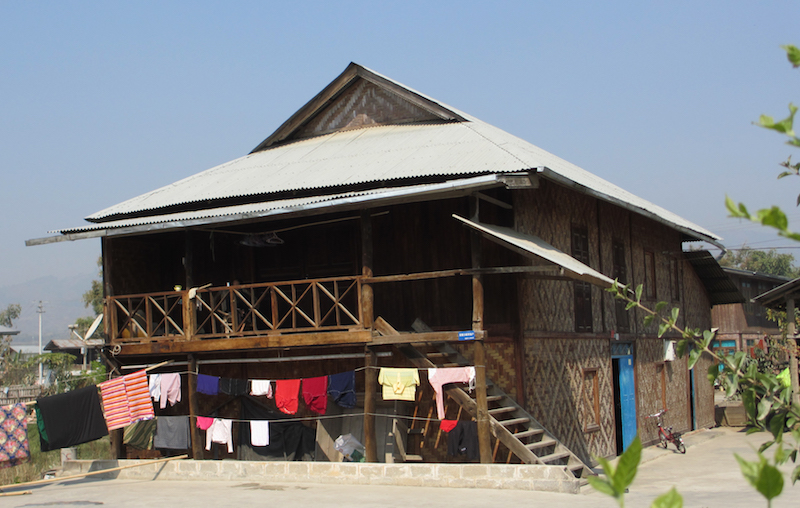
(627, 399)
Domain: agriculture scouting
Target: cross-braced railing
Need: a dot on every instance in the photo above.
(239, 311)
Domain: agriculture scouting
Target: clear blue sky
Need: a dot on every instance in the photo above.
(102, 101)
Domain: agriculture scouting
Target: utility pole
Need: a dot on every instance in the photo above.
(40, 311)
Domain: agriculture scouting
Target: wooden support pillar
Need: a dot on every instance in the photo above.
(188, 266)
(484, 439)
(367, 312)
(370, 392)
(197, 444)
(790, 337)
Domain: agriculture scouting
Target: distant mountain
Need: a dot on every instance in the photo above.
(61, 300)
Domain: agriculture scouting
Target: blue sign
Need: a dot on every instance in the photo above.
(470, 335)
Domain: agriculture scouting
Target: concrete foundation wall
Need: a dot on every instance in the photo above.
(490, 476)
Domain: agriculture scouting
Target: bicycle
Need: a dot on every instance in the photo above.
(666, 436)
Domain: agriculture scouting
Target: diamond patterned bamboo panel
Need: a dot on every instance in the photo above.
(555, 392)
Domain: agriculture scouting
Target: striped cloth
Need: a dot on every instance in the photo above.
(126, 400)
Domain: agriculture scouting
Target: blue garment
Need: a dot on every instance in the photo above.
(342, 387)
(207, 384)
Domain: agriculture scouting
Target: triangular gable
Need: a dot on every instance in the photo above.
(357, 98)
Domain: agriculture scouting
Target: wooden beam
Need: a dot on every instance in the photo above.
(484, 440)
(464, 271)
(370, 393)
(417, 338)
(367, 298)
(247, 343)
(194, 409)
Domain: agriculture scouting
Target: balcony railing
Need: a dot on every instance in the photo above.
(313, 305)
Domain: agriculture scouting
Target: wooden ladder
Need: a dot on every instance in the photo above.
(510, 424)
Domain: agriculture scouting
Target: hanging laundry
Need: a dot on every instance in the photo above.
(261, 387)
(208, 385)
(14, 448)
(172, 432)
(204, 422)
(126, 400)
(315, 394)
(259, 433)
(140, 434)
(447, 425)
(154, 386)
(71, 418)
(234, 387)
(286, 395)
(115, 404)
(398, 384)
(440, 377)
(170, 389)
(220, 432)
(463, 440)
(138, 393)
(342, 388)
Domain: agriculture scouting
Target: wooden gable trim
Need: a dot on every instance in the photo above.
(346, 79)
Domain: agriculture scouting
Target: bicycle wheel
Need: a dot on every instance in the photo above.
(662, 441)
(680, 446)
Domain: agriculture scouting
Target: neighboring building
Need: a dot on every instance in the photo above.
(7, 332)
(85, 352)
(369, 230)
(743, 326)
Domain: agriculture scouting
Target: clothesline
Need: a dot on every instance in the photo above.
(315, 418)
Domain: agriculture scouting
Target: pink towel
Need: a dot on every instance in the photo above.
(440, 377)
(170, 389)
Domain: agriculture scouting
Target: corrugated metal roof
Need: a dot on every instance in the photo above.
(721, 289)
(4, 330)
(530, 244)
(372, 155)
(56, 344)
(776, 298)
(251, 211)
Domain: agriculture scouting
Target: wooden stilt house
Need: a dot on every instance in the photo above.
(380, 227)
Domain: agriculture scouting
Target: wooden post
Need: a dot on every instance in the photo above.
(484, 439)
(367, 311)
(197, 444)
(188, 266)
(370, 389)
(790, 333)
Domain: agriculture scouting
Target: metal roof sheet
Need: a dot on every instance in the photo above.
(530, 244)
(72, 344)
(373, 155)
(721, 289)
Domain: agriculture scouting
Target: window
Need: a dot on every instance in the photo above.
(621, 274)
(591, 398)
(649, 275)
(674, 280)
(582, 290)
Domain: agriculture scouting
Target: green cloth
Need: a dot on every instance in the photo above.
(40, 425)
(140, 434)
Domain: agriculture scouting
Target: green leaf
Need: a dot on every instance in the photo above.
(795, 474)
(661, 306)
(749, 469)
(675, 312)
(713, 373)
(763, 408)
(708, 335)
(765, 445)
(662, 329)
(680, 349)
(627, 466)
(733, 210)
(780, 455)
(601, 485)
(638, 293)
(792, 54)
(648, 320)
(694, 355)
(630, 305)
(770, 481)
(773, 217)
(749, 403)
(776, 425)
(669, 500)
(784, 126)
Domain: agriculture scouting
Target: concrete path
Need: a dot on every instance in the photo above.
(707, 476)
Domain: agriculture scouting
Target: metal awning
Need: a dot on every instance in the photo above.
(776, 298)
(721, 289)
(534, 247)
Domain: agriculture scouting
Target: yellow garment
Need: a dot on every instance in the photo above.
(398, 384)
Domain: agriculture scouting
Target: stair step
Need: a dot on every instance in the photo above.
(555, 456)
(575, 467)
(502, 410)
(528, 433)
(494, 398)
(514, 421)
(413, 458)
(541, 444)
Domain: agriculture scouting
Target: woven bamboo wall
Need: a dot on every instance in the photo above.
(555, 392)
(500, 364)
